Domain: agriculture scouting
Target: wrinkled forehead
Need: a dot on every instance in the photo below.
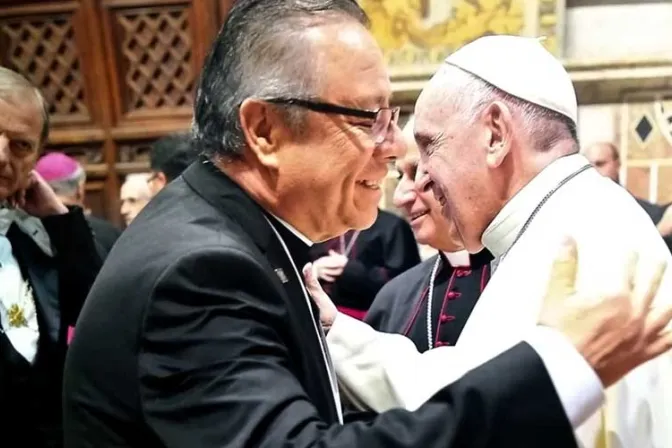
(25, 111)
(351, 65)
(433, 107)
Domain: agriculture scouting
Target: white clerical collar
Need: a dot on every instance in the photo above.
(458, 259)
(502, 231)
(296, 233)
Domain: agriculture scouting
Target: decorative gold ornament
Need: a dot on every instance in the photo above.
(16, 316)
(416, 33)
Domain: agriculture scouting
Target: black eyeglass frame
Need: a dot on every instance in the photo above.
(335, 109)
(329, 108)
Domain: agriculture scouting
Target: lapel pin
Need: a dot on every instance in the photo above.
(281, 275)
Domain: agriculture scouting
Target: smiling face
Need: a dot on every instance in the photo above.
(329, 173)
(415, 199)
(465, 154)
(20, 131)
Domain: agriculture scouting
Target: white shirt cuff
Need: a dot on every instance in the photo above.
(575, 381)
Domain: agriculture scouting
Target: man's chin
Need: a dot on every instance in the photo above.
(5, 193)
(362, 220)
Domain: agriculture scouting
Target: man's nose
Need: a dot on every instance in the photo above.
(393, 147)
(404, 194)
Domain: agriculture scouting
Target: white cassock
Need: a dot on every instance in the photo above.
(385, 371)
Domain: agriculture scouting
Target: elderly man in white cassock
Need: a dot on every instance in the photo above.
(496, 127)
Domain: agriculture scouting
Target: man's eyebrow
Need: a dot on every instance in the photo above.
(422, 139)
(371, 103)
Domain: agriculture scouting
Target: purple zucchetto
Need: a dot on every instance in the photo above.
(56, 166)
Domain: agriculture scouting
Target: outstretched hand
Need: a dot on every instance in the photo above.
(615, 333)
(328, 311)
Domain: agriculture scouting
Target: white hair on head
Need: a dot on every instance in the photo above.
(471, 95)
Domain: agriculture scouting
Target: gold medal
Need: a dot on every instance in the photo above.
(16, 317)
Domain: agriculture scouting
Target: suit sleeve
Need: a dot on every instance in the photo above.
(401, 253)
(215, 371)
(78, 257)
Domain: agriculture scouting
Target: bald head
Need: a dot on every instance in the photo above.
(605, 158)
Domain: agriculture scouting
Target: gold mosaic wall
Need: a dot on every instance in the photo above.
(417, 35)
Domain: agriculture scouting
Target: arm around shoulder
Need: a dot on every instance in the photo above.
(213, 350)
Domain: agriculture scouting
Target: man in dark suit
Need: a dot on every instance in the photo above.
(48, 261)
(199, 331)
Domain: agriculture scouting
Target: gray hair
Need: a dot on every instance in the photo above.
(70, 185)
(545, 127)
(11, 83)
(261, 52)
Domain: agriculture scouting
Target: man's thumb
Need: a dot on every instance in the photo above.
(312, 284)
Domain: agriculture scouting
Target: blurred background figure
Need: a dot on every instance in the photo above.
(168, 158)
(68, 180)
(605, 157)
(353, 267)
(135, 194)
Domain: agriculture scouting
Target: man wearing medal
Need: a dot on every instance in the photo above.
(48, 261)
(496, 129)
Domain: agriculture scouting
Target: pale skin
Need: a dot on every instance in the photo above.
(20, 129)
(615, 333)
(476, 163)
(135, 195)
(315, 180)
(156, 182)
(417, 202)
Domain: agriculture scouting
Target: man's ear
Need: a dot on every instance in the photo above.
(161, 178)
(498, 120)
(262, 126)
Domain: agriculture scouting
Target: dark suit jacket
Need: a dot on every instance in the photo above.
(31, 394)
(189, 338)
(379, 254)
(656, 213)
(104, 232)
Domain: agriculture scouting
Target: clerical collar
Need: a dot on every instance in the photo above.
(458, 259)
(304, 239)
(502, 231)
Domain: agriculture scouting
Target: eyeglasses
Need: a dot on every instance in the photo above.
(382, 118)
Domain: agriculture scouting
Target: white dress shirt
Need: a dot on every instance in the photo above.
(15, 291)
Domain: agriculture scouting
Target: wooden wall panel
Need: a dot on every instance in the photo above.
(117, 75)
